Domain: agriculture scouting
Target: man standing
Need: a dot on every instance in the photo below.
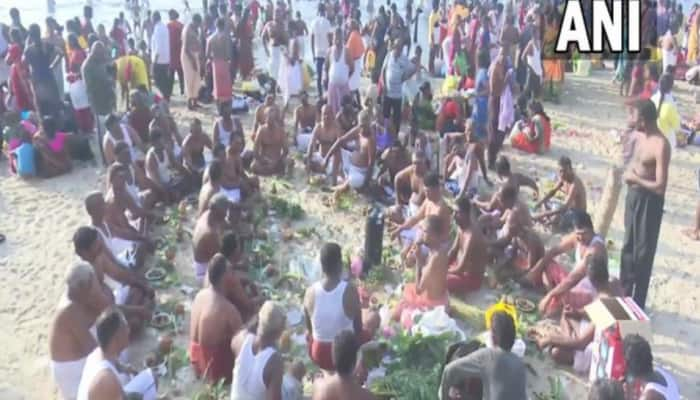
(175, 36)
(219, 53)
(647, 177)
(397, 69)
(191, 53)
(160, 51)
(99, 84)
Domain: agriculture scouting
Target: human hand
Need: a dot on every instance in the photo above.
(543, 341)
(629, 176)
(542, 307)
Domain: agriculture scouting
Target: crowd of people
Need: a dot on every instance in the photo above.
(78, 88)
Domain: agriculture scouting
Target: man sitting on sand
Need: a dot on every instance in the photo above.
(193, 151)
(322, 138)
(575, 198)
(501, 372)
(572, 288)
(142, 192)
(239, 287)
(331, 306)
(211, 186)
(271, 148)
(103, 374)
(508, 178)
(132, 292)
(644, 380)
(430, 288)
(409, 231)
(160, 164)
(501, 227)
(343, 384)
(70, 338)
(469, 254)
(411, 178)
(304, 122)
(117, 131)
(357, 164)
(463, 163)
(261, 113)
(214, 322)
(208, 232)
(392, 161)
(574, 346)
(126, 245)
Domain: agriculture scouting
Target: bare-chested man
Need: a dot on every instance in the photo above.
(430, 288)
(126, 245)
(508, 178)
(358, 164)
(304, 122)
(271, 147)
(190, 58)
(323, 136)
(575, 191)
(434, 204)
(219, 52)
(70, 338)
(393, 160)
(208, 232)
(647, 177)
(501, 227)
(193, 151)
(469, 255)
(342, 385)
(410, 177)
(211, 187)
(214, 322)
(142, 192)
(132, 292)
(235, 183)
(261, 113)
(275, 36)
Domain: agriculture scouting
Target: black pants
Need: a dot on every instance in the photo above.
(180, 78)
(320, 63)
(643, 213)
(161, 76)
(380, 53)
(392, 110)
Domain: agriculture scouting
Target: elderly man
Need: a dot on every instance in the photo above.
(259, 366)
(214, 322)
(70, 338)
(99, 83)
(342, 385)
(193, 145)
(208, 232)
(469, 254)
(333, 305)
(103, 374)
(357, 165)
(271, 147)
(409, 180)
(575, 191)
(323, 135)
(132, 292)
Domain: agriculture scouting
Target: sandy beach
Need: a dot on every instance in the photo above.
(39, 218)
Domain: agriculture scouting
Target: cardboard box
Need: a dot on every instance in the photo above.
(614, 318)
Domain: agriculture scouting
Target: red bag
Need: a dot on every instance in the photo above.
(608, 359)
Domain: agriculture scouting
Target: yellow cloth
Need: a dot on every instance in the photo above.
(458, 10)
(370, 59)
(139, 74)
(434, 18)
(692, 42)
(669, 120)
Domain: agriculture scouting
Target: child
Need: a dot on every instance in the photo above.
(292, 387)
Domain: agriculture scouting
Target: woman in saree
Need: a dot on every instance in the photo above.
(553, 67)
(533, 136)
(20, 88)
(692, 55)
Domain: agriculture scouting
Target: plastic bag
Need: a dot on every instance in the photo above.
(435, 322)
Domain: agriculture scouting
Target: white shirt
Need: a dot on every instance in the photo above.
(160, 44)
(320, 29)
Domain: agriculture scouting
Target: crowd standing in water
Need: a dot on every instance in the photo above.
(68, 89)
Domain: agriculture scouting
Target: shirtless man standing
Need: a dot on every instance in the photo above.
(219, 49)
(275, 32)
(304, 122)
(647, 177)
(271, 147)
(358, 164)
(410, 177)
(208, 232)
(575, 191)
(190, 58)
(214, 322)
(323, 136)
(430, 288)
(70, 340)
(342, 385)
(469, 255)
(193, 151)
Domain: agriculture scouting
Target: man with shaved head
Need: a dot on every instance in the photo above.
(208, 232)
(71, 338)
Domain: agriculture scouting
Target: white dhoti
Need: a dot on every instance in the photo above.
(66, 375)
(410, 210)
(318, 159)
(582, 359)
(356, 76)
(144, 383)
(354, 174)
(273, 64)
(123, 250)
(200, 270)
(121, 293)
(233, 194)
(304, 139)
(290, 80)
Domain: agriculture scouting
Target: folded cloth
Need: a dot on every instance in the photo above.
(144, 384)
(66, 375)
(212, 362)
(354, 174)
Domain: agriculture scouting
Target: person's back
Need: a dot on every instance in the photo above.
(207, 327)
(434, 279)
(334, 388)
(342, 385)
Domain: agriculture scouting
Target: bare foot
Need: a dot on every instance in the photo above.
(692, 234)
